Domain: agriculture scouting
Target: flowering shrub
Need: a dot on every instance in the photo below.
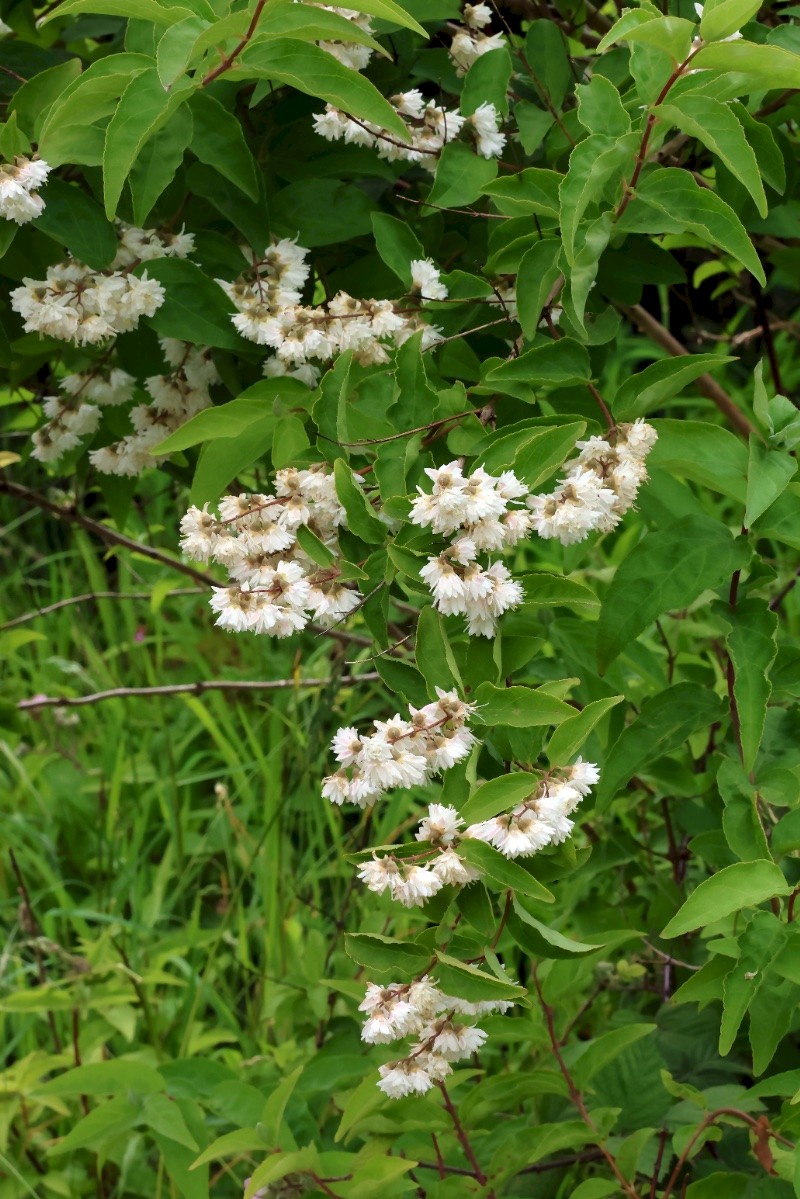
(411, 323)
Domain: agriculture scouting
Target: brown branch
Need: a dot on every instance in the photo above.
(464, 1140)
(705, 1123)
(230, 59)
(197, 688)
(35, 500)
(706, 385)
(89, 597)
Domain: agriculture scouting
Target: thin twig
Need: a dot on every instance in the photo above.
(200, 687)
(229, 59)
(89, 597)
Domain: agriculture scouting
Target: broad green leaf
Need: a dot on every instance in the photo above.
(520, 707)
(666, 571)
(741, 819)
(532, 192)
(630, 20)
(470, 983)
(361, 518)
(218, 141)
(312, 70)
(106, 1078)
(157, 164)
(742, 885)
(649, 388)
(461, 176)
(163, 1115)
(769, 473)
(503, 872)
(537, 940)
(538, 271)
(140, 10)
(175, 48)
(665, 721)
(487, 82)
(540, 457)
(598, 1052)
(397, 244)
(143, 109)
(74, 219)
(547, 61)
(763, 938)
(241, 1140)
(381, 953)
(707, 454)
(721, 18)
(767, 151)
(31, 102)
(772, 1013)
(600, 108)
(279, 1165)
(670, 200)
(752, 647)
(195, 308)
(113, 1120)
(559, 363)
(570, 736)
(717, 127)
(388, 10)
(306, 23)
(673, 35)
(223, 459)
(272, 1116)
(545, 591)
(597, 166)
(227, 420)
(433, 653)
(498, 795)
(90, 98)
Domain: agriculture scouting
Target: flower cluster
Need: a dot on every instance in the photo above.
(428, 129)
(269, 313)
(275, 587)
(349, 54)
(476, 511)
(598, 487)
(75, 414)
(76, 303)
(470, 42)
(543, 818)
(421, 1010)
(400, 753)
(20, 181)
(176, 396)
(413, 879)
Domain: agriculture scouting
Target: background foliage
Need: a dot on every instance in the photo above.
(177, 1003)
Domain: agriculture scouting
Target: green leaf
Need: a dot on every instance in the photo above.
(272, 1116)
(707, 454)
(175, 48)
(143, 108)
(487, 82)
(742, 885)
(380, 953)
(498, 795)
(312, 70)
(397, 244)
(226, 457)
(769, 473)
(101, 1127)
(106, 1078)
(158, 163)
(667, 570)
(532, 192)
(649, 388)
(538, 271)
(546, 591)
(434, 655)
(218, 141)
(596, 169)
(670, 200)
(539, 941)
(520, 707)
(717, 127)
(764, 936)
(461, 176)
(503, 871)
(673, 35)
(227, 420)
(361, 518)
(561, 363)
(241, 1140)
(470, 983)
(195, 308)
(140, 10)
(741, 820)
(163, 1115)
(570, 736)
(603, 1049)
(721, 18)
(665, 721)
(74, 219)
(547, 61)
(600, 108)
(541, 456)
(752, 647)
(388, 10)
(31, 102)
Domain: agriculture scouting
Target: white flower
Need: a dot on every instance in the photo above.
(477, 15)
(414, 885)
(379, 874)
(426, 280)
(485, 121)
(452, 870)
(453, 1041)
(440, 826)
(409, 1077)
